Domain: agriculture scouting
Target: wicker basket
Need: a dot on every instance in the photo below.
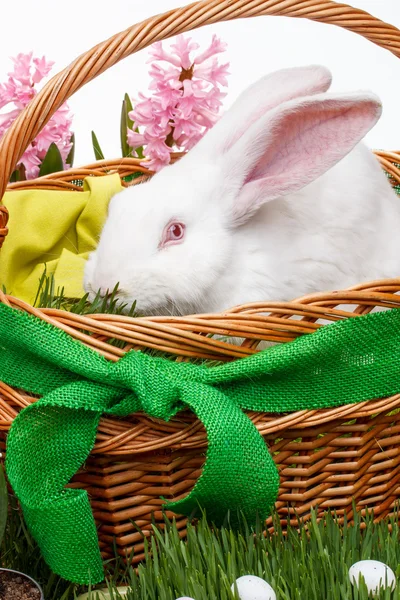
(325, 457)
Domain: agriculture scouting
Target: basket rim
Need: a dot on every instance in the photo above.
(185, 336)
(127, 166)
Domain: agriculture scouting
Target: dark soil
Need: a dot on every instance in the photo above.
(14, 586)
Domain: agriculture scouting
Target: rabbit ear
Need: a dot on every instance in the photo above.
(295, 144)
(264, 95)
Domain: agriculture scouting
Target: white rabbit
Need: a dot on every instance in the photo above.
(279, 199)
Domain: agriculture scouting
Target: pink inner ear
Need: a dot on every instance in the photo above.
(298, 144)
(271, 91)
(306, 143)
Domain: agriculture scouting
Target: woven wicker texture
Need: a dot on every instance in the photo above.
(322, 457)
(349, 361)
(325, 457)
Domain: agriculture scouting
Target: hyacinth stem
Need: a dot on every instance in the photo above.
(185, 74)
(169, 140)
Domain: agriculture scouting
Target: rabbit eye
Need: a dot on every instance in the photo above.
(173, 233)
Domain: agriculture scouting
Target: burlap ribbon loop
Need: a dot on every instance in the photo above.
(349, 361)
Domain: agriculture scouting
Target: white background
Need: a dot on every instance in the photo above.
(62, 31)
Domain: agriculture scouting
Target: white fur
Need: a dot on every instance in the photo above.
(336, 225)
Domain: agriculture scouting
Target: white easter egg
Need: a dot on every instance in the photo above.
(184, 598)
(251, 587)
(377, 575)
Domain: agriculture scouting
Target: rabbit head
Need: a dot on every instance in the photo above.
(168, 242)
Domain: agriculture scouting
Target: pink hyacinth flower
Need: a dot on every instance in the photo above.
(18, 91)
(42, 69)
(185, 102)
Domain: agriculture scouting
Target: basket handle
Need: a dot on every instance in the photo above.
(95, 61)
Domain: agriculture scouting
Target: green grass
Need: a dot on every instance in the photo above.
(300, 566)
(50, 296)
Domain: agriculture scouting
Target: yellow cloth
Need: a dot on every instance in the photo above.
(55, 230)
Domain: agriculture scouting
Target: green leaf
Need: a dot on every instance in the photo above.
(129, 108)
(127, 123)
(3, 503)
(52, 162)
(71, 155)
(96, 147)
(19, 174)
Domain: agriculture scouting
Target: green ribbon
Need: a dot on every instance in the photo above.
(348, 361)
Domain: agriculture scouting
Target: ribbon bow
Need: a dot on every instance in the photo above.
(349, 361)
